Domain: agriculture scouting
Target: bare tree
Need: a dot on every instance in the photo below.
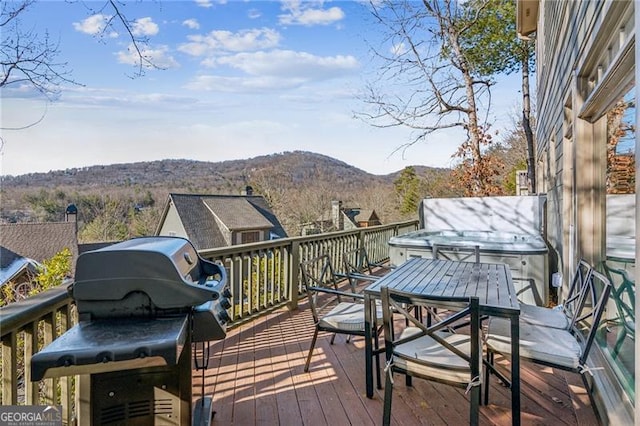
(31, 57)
(28, 57)
(433, 87)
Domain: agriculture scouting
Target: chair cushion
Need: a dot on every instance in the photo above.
(547, 317)
(436, 362)
(546, 344)
(348, 316)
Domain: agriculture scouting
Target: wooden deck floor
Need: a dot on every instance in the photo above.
(256, 376)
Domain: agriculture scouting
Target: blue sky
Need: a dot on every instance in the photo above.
(240, 79)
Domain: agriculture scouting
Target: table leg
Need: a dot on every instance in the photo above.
(368, 350)
(515, 370)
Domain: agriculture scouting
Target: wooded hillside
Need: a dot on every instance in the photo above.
(124, 200)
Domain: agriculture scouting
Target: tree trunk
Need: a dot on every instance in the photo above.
(526, 123)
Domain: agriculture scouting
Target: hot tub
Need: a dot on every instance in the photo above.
(526, 255)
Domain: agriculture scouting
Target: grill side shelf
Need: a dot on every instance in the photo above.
(112, 344)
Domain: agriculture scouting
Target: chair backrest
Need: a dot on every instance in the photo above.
(456, 252)
(623, 293)
(590, 308)
(318, 272)
(357, 261)
(463, 309)
(576, 287)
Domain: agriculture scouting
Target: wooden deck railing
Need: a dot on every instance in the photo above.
(261, 276)
(26, 327)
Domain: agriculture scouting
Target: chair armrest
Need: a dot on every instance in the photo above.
(337, 292)
(382, 265)
(363, 276)
(358, 276)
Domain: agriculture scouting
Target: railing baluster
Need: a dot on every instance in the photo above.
(9, 369)
(30, 348)
(48, 335)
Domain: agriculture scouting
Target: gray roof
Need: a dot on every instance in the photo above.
(7, 257)
(40, 241)
(198, 214)
(237, 214)
(366, 215)
(12, 265)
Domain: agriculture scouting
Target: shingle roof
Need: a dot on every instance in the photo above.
(198, 213)
(12, 265)
(200, 225)
(40, 241)
(7, 257)
(365, 215)
(237, 214)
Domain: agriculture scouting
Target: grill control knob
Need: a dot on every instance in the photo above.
(225, 303)
(227, 293)
(224, 317)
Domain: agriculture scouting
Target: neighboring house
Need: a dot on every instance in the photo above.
(16, 269)
(341, 218)
(586, 56)
(40, 241)
(27, 245)
(211, 221)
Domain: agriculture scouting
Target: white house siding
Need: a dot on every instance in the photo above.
(172, 225)
(585, 62)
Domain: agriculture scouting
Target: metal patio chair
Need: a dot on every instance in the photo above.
(462, 253)
(435, 352)
(558, 348)
(562, 315)
(333, 310)
(358, 267)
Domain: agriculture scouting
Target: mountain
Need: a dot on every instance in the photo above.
(291, 182)
(299, 167)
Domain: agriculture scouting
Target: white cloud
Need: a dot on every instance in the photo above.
(288, 63)
(274, 70)
(191, 23)
(214, 83)
(93, 25)
(227, 41)
(144, 27)
(306, 14)
(158, 56)
(204, 3)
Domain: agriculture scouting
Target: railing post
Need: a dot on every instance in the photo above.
(9, 368)
(294, 273)
(361, 235)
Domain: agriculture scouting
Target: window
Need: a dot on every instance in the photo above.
(618, 337)
(250, 237)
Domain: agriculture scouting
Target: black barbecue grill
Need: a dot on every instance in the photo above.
(141, 305)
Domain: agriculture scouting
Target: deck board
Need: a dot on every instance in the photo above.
(256, 376)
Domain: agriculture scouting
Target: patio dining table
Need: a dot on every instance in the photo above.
(491, 283)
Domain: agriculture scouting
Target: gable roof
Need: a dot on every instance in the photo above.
(13, 265)
(366, 215)
(200, 213)
(237, 214)
(352, 214)
(40, 241)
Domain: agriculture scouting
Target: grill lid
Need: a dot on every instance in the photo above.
(167, 270)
